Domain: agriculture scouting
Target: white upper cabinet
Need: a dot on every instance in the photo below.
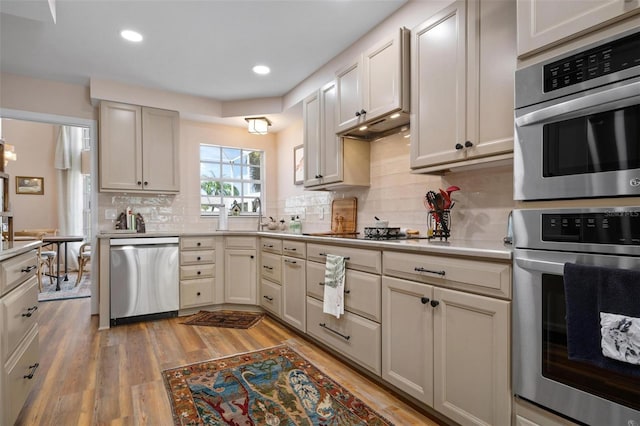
(330, 160)
(543, 24)
(138, 149)
(463, 62)
(374, 84)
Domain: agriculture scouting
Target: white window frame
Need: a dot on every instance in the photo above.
(246, 200)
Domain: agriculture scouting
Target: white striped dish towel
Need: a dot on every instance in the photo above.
(334, 285)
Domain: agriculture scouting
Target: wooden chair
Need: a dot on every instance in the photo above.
(45, 257)
(84, 257)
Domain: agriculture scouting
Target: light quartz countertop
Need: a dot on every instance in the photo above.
(469, 248)
(14, 248)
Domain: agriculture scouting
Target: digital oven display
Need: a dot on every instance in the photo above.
(609, 58)
(595, 228)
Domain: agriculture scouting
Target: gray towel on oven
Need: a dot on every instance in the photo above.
(590, 290)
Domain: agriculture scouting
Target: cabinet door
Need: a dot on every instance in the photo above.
(331, 154)
(407, 337)
(160, 167)
(311, 139)
(543, 24)
(438, 77)
(491, 62)
(120, 147)
(382, 74)
(294, 287)
(349, 95)
(471, 358)
(240, 277)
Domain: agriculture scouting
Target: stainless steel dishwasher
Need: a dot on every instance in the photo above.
(143, 278)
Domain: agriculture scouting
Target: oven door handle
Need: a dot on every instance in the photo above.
(540, 265)
(622, 96)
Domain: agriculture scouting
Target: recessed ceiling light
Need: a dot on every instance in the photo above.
(362, 128)
(131, 35)
(261, 69)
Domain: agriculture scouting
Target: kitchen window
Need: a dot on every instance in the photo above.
(230, 176)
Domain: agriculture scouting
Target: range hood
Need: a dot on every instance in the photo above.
(380, 127)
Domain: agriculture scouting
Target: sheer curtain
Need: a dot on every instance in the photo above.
(67, 163)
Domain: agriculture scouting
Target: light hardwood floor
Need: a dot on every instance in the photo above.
(112, 377)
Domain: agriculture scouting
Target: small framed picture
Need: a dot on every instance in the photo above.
(298, 165)
(29, 185)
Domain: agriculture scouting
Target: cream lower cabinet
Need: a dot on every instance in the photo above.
(542, 24)
(444, 345)
(462, 101)
(197, 271)
(356, 334)
(19, 348)
(240, 274)
(271, 275)
(294, 284)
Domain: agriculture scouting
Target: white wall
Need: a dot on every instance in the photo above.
(35, 145)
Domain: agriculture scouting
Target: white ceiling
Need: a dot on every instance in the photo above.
(204, 48)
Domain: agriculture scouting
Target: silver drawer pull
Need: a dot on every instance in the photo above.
(344, 336)
(30, 311)
(324, 254)
(289, 261)
(33, 369)
(420, 269)
(267, 267)
(345, 292)
(28, 269)
(290, 249)
(270, 299)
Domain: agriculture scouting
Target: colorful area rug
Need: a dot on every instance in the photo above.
(68, 289)
(227, 319)
(274, 386)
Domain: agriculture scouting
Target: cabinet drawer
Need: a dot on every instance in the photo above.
(271, 245)
(197, 257)
(360, 259)
(17, 269)
(24, 363)
(197, 271)
(353, 336)
(19, 314)
(196, 293)
(196, 243)
(271, 297)
(271, 267)
(294, 248)
(362, 290)
(477, 276)
(240, 242)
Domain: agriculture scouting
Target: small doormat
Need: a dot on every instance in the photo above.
(274, 386)
(227, 319)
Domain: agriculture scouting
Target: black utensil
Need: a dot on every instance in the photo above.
(438, 202)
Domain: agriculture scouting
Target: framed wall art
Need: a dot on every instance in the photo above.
(298, 165)
(29, 185)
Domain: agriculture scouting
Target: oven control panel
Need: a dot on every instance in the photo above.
(602, 60)
(597, 228)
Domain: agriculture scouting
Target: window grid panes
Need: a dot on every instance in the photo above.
(230, 176)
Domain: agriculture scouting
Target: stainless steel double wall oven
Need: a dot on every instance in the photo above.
(577, 124)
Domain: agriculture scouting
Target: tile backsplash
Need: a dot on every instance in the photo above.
(481, 206)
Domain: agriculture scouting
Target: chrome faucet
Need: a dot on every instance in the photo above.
(257, 205)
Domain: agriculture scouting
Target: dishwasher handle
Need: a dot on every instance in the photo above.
(147, 241)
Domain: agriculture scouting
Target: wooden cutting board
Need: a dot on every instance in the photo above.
(344, 213)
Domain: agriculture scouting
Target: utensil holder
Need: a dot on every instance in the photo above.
(435, 228)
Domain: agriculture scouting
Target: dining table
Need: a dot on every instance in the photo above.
(60, 240)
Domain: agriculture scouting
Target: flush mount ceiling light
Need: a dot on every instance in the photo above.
(261, 69)
(131, 35)
(258, 125)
